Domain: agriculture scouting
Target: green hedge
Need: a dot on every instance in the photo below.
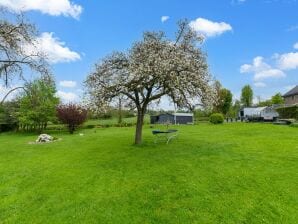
(216, 118)
(288, 112)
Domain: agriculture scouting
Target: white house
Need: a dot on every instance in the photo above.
(258, 113)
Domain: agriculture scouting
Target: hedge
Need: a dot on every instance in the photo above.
(288, 112)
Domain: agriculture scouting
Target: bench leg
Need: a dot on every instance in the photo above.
(170, 138)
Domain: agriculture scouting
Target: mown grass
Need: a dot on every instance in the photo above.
(231, 173)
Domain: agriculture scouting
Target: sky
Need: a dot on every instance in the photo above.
(251, 42)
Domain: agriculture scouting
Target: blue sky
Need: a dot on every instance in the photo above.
(247, 41)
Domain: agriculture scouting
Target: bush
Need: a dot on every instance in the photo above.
(71, 115)
(216, 118)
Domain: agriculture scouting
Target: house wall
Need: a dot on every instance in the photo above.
(153, 119)
(184, 119)
(168, 118)
(165, 118)
(290, 100)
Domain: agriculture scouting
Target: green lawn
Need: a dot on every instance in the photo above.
(231, 173)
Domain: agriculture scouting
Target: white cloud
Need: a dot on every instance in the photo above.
(51, 7)
(270, 73)
(296, 46)
(67, 96)
(260, 84)
(53, 48)
(164, 19)
(68, 84)
(208, 28)
(288, 61)
(261, 70)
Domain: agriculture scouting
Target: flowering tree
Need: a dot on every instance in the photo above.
(72, 115)
(152, 68)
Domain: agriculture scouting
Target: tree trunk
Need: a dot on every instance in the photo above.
(120, 111)
(139, 127)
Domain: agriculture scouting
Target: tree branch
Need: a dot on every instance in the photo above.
(10, 91)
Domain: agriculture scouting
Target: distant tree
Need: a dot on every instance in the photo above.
(223, 101)
(38, 104)
(154, 67)
(217, 99)
(17, 36)
(202, 114)
(277, 99)
(234, 110)
(265, 103)
(247, 96)
(226, 100)
(71, 115)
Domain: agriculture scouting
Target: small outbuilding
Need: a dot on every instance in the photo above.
(173, 118)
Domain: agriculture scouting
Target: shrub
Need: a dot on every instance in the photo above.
(216, 118)
(71, 115)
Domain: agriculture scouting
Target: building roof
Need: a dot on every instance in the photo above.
(292, 92)
(254, 110)
(178, 114)
(183, 114)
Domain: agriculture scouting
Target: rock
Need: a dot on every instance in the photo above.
(44, 138)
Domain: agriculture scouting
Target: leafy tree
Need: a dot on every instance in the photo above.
(217, 87)
(71, 115)
(38, 104)
(227, 98)
(223, 101)
(154, 67)
(234, 109)
(247, 96)
(277, 99)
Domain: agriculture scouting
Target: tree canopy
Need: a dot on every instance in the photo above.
(277, 99)
(154, 67)
(223, 101)
(38, 104)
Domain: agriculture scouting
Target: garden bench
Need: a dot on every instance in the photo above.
(167, 135)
